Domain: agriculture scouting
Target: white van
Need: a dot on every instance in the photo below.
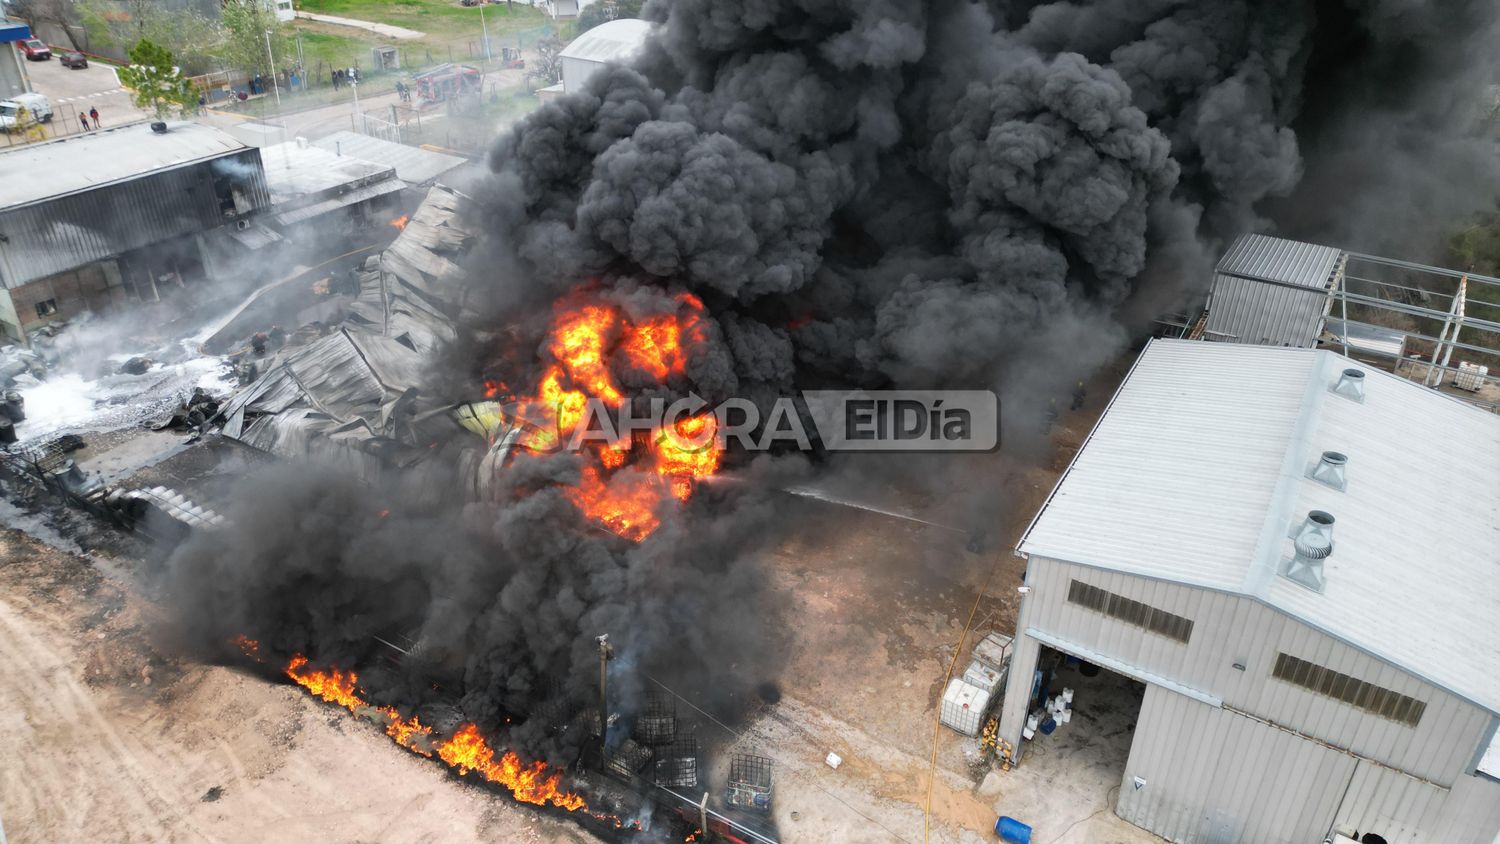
(38, 110)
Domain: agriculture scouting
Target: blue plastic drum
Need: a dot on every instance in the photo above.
(1012, 831)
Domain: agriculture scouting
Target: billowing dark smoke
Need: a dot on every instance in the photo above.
(905, 193)
(934, 192)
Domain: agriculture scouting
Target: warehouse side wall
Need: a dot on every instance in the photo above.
(1265, 314)
(1209, 775)
(1229, 630)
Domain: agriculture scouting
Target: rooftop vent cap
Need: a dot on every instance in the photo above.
(1351, 384)
(1329, 470)
(1312, 544)
(159, 127)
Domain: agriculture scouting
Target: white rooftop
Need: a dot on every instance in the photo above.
(615, 40)
(414, 165)
(81, 162)
(1197, 473)
(296, 172)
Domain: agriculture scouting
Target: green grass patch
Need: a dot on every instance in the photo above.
(439, 19)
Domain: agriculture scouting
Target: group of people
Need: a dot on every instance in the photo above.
(403, 92)
(93, 113)
(342, 77)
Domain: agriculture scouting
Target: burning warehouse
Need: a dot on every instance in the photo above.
(894, 196)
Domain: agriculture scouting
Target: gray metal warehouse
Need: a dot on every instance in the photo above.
(1298, 557)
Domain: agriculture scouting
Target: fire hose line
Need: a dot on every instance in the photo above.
(937, 721)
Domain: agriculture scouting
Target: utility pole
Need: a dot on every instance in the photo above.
(606, 653)
(354, 86)
(276, 86)
(485, 27)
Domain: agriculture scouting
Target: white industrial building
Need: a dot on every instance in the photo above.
(614, 41)
(1298, 556)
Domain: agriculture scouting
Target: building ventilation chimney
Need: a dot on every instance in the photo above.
(159, 128)
(1329, 470)
(1351, 384)
(1311, 545)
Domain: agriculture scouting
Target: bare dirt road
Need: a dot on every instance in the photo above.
(104, 737)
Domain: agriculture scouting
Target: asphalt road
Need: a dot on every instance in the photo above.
(73, 91)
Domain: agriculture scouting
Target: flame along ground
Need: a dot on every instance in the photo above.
(622, 487)
(466, 750)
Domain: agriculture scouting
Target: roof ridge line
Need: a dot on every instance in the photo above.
(1266, 559)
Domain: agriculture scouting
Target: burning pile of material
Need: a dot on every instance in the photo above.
(623, 485)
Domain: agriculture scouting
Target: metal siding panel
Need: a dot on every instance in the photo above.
(1228, 627)
(1470, 815)
(74, 230)
(1212, 776)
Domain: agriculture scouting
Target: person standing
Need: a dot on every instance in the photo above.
(94, 116)
(84, 119)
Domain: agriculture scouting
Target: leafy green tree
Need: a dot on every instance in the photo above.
(188, 35)
(155, 82)
(607, 10)
(243, 45)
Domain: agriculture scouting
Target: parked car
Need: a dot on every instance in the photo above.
(38, 109)
(35, 50)
(74, 60)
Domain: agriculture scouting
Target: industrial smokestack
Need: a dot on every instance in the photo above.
(1351, 384)
(1312, 544)
(1329, 469)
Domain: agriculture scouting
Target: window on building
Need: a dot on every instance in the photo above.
(1131, 612)
(46, 308)
(1342, 687)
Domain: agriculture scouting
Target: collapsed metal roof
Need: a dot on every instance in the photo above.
(354, 396)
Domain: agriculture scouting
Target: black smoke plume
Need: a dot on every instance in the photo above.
(871, 193)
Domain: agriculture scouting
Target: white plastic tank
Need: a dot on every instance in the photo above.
(964, 707)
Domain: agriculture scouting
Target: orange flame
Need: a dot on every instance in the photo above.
(248, 646)
(466, 750)
(620, 488)
(400, 222)
(530, 782)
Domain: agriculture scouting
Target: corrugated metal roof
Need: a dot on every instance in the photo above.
(1277, 259)
(1271, 291)
(82, 162)
(1196, 474)
(616, 40)
(414, 165)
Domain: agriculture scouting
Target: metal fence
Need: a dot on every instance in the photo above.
(64, 124)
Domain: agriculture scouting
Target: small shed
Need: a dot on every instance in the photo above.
(385, 57)
(615, 41)
(1269, 291)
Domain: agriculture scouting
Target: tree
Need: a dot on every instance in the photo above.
(607, 10)
(155, 82)
(55, 12)
(243, 45)
(187, 34)
(548, 65)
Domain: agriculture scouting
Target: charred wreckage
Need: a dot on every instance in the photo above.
(350, 397)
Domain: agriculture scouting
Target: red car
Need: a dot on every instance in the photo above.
(35, 50)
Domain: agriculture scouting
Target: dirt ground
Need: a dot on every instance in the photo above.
(108, 739)
(112, 738)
